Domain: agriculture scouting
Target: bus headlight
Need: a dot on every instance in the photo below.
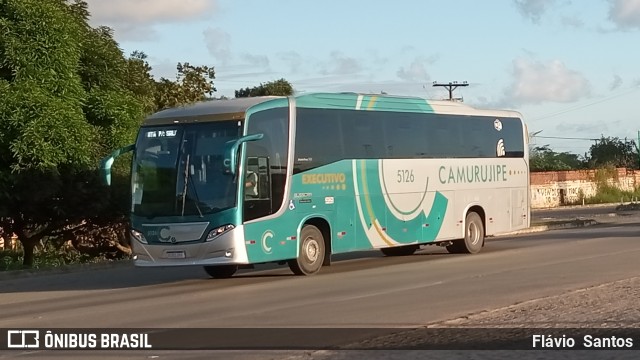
(138, 236)
(219, 231)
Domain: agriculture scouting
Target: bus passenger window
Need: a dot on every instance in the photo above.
(251, 185)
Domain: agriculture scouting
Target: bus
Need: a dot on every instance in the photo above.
(227, 184)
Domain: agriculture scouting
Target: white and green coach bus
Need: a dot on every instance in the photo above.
(226, 184)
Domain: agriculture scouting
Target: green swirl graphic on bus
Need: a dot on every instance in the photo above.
(375, 205)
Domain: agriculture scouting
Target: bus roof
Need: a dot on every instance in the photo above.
(385, 102)
(236, 108)
(207, 110)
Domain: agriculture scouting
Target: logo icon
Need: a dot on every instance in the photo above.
(497, 124)
(292, 205)
(500, 152)
(266, 236)
(23, 339)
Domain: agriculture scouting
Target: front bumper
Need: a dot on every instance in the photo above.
(227, 249)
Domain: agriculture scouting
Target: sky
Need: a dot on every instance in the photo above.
(571, 67)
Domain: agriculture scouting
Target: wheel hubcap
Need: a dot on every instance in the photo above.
(311, 250)
(473, 234)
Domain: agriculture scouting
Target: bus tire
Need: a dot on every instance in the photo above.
(221, 271)
(311, 254)
(400, 250)
(473, 236)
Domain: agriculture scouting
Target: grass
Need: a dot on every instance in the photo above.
(45, 257)
(608, 194)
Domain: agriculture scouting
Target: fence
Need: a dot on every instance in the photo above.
(557, 188)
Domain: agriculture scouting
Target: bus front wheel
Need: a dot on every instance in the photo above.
(221, 271)
(311, 254)
(473, 237)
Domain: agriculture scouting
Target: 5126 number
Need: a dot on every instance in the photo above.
(406, 176)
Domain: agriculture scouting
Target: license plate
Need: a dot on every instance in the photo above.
(177, 254)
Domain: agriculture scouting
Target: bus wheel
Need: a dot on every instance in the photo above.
(400, 250)
(473, 237)
(221, 271)
(311, 256)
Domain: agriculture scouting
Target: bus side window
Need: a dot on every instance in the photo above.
(268, 158)
(256, 185)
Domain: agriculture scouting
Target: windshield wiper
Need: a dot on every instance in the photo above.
(187, 176)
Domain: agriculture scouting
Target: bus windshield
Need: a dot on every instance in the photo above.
(178, 170)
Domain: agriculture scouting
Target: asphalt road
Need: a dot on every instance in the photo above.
(366, 291)
(356, 292)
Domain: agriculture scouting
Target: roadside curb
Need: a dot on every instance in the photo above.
(554, 225)
(587, 206)
(66, 269)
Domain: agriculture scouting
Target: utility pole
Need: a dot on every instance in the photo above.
(451, 86)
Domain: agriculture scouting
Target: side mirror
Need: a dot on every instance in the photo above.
(105, 163)
(230, 162)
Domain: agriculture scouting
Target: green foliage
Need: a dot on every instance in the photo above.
(542, 158)
(607, 194)
(64, 101)
(613, 151)
(103, 65)
(41, 104)
(273, 88)
(140, 82)
(69, 96)
(193, 84)
(116, 115)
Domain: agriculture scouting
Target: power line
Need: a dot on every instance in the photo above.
(564, 138)
(587, 105)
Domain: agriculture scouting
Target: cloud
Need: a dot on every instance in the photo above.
(292, 59)
(148, 11)
(163, 68)
(533, 9)
(360, 84)
(536, 82)
(218, 43)
(416, 71)
(256, 60)
(339, 64)
(616, 83)
(572, 22)
(134, 19)
(596, 127)
(625, 13)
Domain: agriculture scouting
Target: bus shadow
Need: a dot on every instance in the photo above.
(126, 276)
(358, 260)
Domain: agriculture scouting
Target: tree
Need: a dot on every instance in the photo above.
(542, 158)
(42, 123)
(63, 101)
(613, 151)
(140, 82)
(69, 96)
(273, 88)
(193, 84)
